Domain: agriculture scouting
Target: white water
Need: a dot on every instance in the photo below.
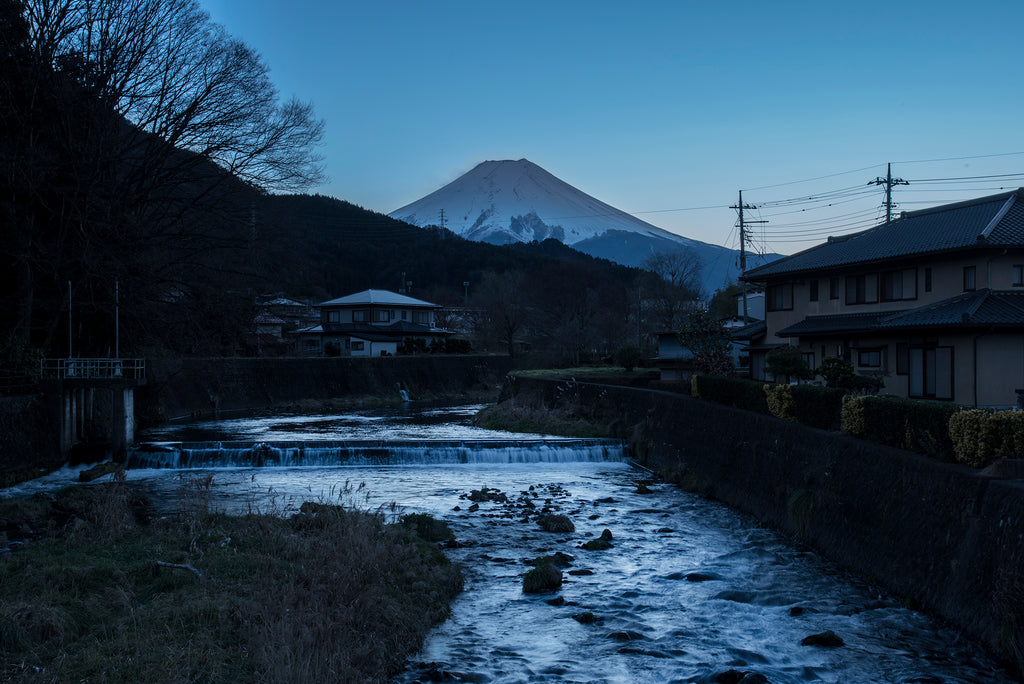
(760, 595)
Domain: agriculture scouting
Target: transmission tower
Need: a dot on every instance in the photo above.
(888, 182)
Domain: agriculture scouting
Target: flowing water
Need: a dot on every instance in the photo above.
(687, 591)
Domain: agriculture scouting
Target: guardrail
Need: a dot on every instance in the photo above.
(90, 369)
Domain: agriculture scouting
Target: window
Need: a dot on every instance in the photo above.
(927, 280)
(813, 290)
(869, 358)
(405, 315)
(358, 345)
(382, 315)
(809, 360)
(1018, 275)
(421, 317)
(333, 316)
(861, 289)
(970, 278)
(360, 316)
(897, 285)
(833, 288)
(780, 297)
(902, 358)
(931, 372)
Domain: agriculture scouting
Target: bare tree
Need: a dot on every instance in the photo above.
(177, 76)
(136, 135)
(501, 298)
(677, 288)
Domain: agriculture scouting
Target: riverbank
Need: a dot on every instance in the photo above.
(192, 388)
(195, 387)
(100, 591)
(943, 537)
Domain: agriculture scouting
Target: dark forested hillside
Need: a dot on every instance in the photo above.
(319, 247)
(138, 214)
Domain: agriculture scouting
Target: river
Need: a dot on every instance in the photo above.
(688, 591)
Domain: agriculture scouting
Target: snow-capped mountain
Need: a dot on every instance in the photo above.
(517, 201)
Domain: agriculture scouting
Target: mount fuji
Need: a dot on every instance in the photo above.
(501, 202)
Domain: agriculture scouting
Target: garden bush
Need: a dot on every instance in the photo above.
(737, 392)
(819, 407)
(920, 426)
(982, 436)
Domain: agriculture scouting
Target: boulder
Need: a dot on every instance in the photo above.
(828, 639)
(543, 578)
(554, 522)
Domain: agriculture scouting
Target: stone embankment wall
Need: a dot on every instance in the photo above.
(945, 538)
(181, 388)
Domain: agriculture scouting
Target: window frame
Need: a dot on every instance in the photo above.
(935, 378)
(1017, 275)
(778, 296)
(970, 278)
(880, 351)
(812, 290)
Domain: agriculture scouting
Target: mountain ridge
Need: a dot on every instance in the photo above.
(508, 201)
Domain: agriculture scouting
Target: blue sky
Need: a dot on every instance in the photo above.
(659, 108)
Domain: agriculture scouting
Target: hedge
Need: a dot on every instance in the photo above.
(737, 392)
(819, 407)
(920, 426)
(981, 436)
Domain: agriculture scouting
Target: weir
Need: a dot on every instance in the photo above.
(227, 454)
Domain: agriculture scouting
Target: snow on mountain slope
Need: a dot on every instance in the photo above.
(517, 201)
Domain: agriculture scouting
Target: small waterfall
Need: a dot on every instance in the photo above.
(364, 453)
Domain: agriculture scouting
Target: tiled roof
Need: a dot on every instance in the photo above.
(979, 309)
(994, 221)
(857, 322)
(380, 297)
(748, 332)
(983, 308)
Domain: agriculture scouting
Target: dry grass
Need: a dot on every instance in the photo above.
(330, 594)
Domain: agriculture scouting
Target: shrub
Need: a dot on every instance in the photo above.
(788, 361)
(738, 392)
(629, 357)
(427, 527)
(455, 345)
(921, 426)
(780, 401)
(982, 436)
(819, 407)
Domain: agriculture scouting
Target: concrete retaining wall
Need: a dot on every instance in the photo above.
(946, 538)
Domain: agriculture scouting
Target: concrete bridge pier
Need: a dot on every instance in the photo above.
(97, 402)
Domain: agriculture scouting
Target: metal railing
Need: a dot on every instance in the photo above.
(92, 369)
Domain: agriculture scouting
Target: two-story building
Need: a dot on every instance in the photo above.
(932, 303)
(369, 323)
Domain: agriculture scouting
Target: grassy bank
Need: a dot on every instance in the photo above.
(106, 594)
(568, 417)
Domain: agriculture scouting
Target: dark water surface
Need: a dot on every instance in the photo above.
(688, 590)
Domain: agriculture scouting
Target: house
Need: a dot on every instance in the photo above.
(931, 303)
(369, 323)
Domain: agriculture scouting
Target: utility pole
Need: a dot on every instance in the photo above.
(888, 182)
(743, 247)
